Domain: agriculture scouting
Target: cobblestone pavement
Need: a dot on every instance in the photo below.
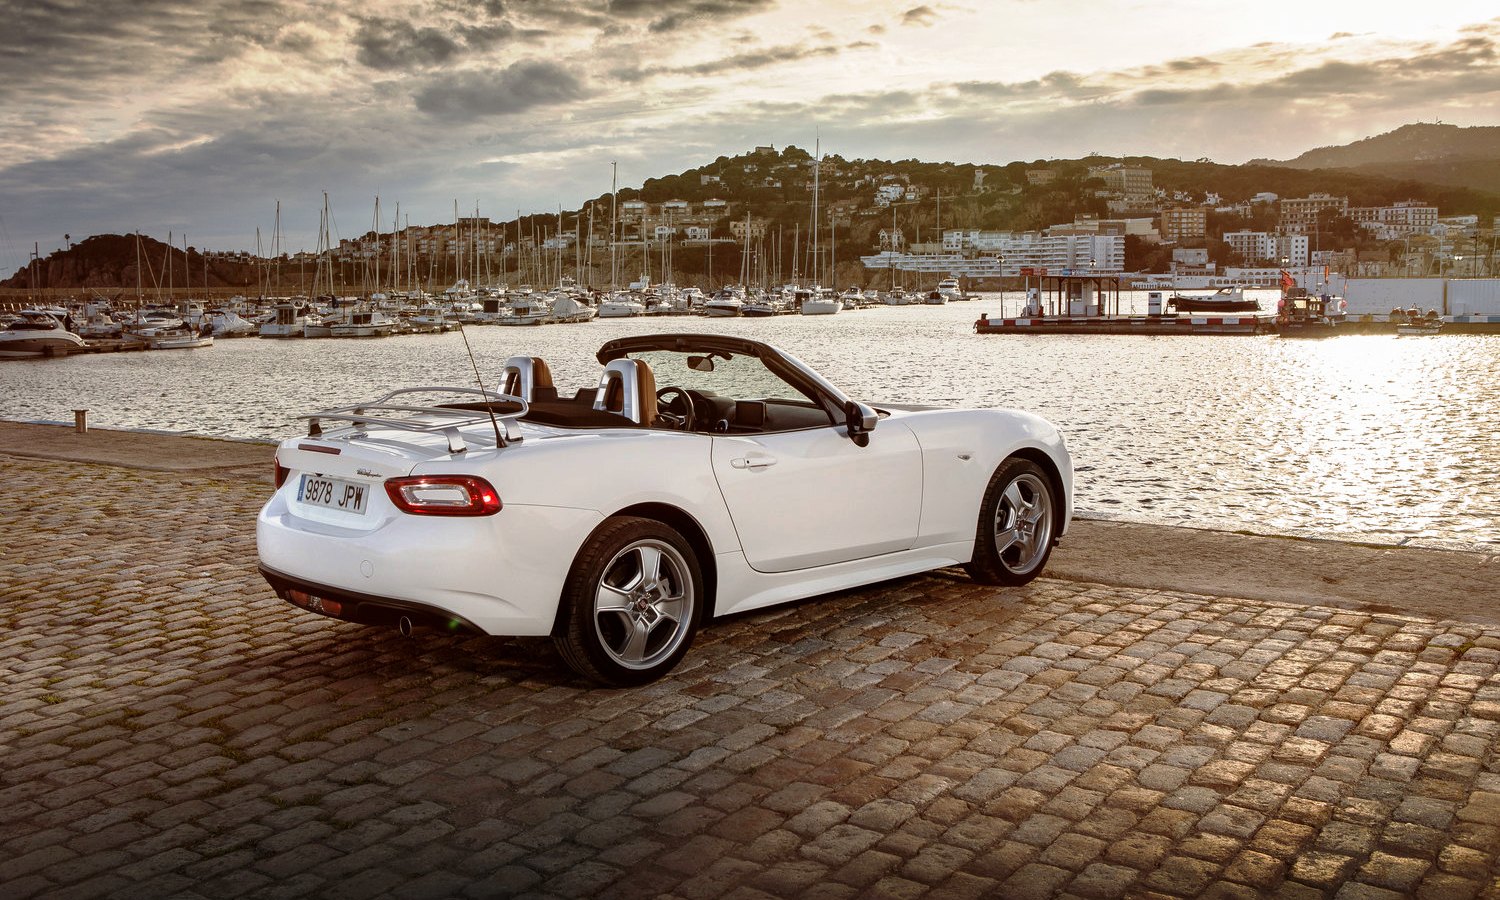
(168, 727)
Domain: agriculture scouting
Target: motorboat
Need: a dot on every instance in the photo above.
(761, 305)
(37, 333)
(1301, 314)
(724, 303)
(434, 318)
(1414, 322)
(287, 321)
(569, 309)
(620, 306)
(950, 290)
(1224, 300)
(182, 336)
(821, 302)
(363, 323)
(527, 308)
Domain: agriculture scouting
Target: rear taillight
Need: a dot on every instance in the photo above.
(281, 473)
(444, 495)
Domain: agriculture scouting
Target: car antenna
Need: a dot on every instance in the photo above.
(479, 380)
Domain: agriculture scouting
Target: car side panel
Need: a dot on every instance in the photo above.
(810, 498)
(609, 471)
(961, 449)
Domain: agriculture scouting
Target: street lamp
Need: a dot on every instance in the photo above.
(1000, 259)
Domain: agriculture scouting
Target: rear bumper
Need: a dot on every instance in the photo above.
(366, 609)
(499, 575)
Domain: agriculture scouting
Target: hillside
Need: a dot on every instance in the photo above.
(774, 188)
(1432, 153)
(108, 261)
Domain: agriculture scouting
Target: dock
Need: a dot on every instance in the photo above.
(1142, 325)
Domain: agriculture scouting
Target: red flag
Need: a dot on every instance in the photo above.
(1287, 281)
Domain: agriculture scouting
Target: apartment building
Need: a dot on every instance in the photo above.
(1299, 215)
(1127, 181)
(1184, 224)
(1396, 221)
(1258, 246)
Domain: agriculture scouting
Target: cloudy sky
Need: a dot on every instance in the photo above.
(198, 115)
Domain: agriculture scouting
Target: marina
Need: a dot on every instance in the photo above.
(1363, 436)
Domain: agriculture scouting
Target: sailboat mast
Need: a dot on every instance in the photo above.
(817, 167)
(614, 220)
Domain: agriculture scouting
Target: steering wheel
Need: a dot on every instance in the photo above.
(683, 413)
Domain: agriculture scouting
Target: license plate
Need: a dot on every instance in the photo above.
(333, 493)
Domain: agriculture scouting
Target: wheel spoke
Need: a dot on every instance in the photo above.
(670, 610)
(1014, 497)
(634, 649)
(611, 599)
(1036, 510)
(1004, 540)
(650, 558)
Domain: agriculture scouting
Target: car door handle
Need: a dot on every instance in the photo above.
(754, 462)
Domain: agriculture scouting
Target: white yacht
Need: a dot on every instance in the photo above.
(820, 302)
(569, 309)
(363, 323)
(37, 333)
(185, 337)
(950, 290)
(620, 306)
(725, 302)
(287, 321)
(527, 308)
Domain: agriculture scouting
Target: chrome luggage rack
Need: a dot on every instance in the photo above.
(379, 412)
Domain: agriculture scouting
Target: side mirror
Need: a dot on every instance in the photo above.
(861, 420)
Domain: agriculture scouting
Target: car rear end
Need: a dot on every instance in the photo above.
(393, 528)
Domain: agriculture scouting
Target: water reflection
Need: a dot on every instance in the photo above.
(1377, 436)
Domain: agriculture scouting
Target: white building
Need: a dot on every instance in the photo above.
(980, 254)
(1254, 246)
(1399, 220)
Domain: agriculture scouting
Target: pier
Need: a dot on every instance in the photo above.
(1168, 711)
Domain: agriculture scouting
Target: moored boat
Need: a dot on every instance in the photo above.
(1301, 314)
(37, 333)
(1224, 300)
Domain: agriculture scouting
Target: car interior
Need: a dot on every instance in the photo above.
(628, 396)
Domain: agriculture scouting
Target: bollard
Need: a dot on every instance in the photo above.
(81, 421)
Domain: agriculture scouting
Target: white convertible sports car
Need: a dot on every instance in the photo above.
(619, 519)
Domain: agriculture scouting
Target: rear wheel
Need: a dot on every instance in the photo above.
(1018, 520)
(632, 603)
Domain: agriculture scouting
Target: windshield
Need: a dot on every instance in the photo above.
(735, 377)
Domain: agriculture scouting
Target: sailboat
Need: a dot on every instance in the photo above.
(821, 301)
(179, 334)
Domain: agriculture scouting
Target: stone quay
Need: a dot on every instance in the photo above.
(1168, 713)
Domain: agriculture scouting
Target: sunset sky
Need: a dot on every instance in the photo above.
(198, 115)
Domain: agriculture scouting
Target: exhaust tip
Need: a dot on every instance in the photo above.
(404, 626)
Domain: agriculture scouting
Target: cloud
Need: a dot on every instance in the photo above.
(742, 62)
(665, 16)
(521, 86)
(385, 43)
(919, 16)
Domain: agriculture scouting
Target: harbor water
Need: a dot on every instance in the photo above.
(1358, 437)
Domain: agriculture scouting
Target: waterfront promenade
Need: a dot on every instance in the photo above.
(1170, 712)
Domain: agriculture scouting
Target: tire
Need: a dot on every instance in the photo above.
(621, 625)
(1018, 522)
